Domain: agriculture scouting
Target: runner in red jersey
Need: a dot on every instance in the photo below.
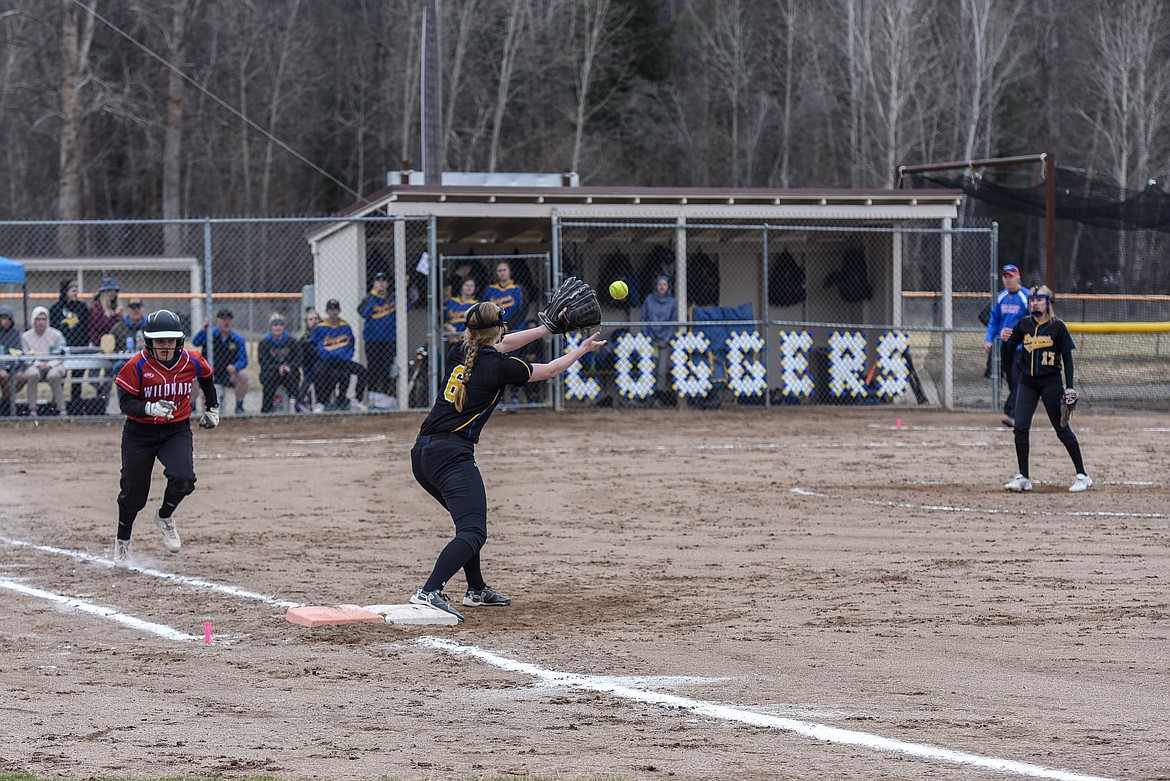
(154, 391)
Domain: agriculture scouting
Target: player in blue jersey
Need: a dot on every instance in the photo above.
(443, 457)
(1046, 355)
(333, 340)
(380, 333)
(508, 295)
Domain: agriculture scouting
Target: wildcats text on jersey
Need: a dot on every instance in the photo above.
(165, 390)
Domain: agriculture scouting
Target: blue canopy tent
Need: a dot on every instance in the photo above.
(12, 273)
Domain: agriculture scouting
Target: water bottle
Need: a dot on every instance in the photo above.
(129, 343)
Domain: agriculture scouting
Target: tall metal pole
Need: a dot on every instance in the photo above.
(1050, 221)
(430, 102)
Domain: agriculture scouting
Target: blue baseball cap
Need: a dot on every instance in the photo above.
(1010, 270)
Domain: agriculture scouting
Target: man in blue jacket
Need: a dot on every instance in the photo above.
(230, 355)
(1009, 307)
(380, 333)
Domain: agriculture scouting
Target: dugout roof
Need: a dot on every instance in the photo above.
(506, 214)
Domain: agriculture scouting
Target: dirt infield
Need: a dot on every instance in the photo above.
(808, 566)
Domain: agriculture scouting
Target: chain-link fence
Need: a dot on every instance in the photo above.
(758, 314)
(303, 314)
(289, 322)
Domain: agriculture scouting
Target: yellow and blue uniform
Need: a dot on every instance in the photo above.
(457, 312)
(510, 298)
(334, 344)
(381, 335)
(1046, 354)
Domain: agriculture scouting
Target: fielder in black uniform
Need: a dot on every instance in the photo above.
(443, 457)
(1046, 355)
(154, 391)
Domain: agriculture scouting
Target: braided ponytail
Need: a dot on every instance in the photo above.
(484, 328)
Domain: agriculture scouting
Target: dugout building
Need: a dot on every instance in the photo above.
(775, 262)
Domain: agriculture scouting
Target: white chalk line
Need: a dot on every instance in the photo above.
(737, 446)
(807, 729)
(985, 511)
(336, 441)
(162, 630)
(154, 573)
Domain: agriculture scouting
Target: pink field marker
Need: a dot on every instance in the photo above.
(898, 423)
(207, 633)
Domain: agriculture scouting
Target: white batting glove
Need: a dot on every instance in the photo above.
(210, 418)
(160, 409)
(1070, 396)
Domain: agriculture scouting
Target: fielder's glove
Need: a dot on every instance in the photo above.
(573, 307)
(210, 418)
(1067, 404)
(160, 409)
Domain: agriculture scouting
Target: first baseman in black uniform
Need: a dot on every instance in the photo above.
(1047, 353)
(154, 391)
(443, 457)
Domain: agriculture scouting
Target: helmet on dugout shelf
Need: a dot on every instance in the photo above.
(163, 324)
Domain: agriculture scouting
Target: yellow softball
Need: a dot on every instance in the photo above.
(618, 290)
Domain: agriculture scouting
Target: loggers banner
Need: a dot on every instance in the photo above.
(698, 366)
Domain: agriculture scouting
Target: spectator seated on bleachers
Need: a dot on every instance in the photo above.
(47, 346)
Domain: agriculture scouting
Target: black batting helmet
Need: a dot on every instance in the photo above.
(163, 324)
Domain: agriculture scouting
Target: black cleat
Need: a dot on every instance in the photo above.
(436, 599)
(485, 597)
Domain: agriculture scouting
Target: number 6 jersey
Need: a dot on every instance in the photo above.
(493, 372)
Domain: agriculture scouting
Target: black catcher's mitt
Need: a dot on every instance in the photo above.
(1067, 405)
(573, 307)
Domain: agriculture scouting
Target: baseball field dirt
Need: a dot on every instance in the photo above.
(697, 595)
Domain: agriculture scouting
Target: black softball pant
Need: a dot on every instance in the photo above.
(330, 376)
(142, 443)
(380, 357)
(1029, 393)
(444, 465)
(1012, 367)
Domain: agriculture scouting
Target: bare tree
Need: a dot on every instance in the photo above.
(727, 46)
(511, 45)
(590, 37)
(464, 23)
(76, 74)
(897, 60)
(991, 64)
(1132, 86)
(172, 163)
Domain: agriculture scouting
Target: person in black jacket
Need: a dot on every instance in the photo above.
(280, 362)
(71, 318)
(1047, 354)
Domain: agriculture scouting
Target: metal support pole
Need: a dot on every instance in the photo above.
(948, 318)
(1049, 221)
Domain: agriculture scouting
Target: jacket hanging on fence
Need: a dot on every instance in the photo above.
(785, 281)
(852, 279)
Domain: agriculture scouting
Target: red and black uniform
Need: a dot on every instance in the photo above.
(144, 379)
(443, 457)
(1045, 357)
